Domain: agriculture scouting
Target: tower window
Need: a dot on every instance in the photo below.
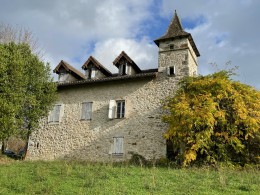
(171, 46)
(171, 70)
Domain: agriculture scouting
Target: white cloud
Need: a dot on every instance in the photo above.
(143, 52)
(74, 30)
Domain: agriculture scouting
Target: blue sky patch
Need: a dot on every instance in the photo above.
(190, 23)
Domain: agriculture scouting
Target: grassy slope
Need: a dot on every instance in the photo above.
(82, 178)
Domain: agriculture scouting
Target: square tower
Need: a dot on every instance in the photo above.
(177, 51)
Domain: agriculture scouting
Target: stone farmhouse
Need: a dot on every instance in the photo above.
(102, 116)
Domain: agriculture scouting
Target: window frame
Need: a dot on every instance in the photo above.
(120, 104)
(171, 70)
(51, 116)
(118, 150)
(87, 111)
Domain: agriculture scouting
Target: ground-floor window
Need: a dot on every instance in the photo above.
(118, 148)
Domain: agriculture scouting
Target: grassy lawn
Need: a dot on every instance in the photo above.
(17, 177)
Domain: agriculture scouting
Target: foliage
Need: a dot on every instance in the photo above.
(18, 35)
(23, 177)
(212, 118)
(26, 90)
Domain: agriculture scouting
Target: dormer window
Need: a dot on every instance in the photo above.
(91, 73)
(123, 69)
(63, 77)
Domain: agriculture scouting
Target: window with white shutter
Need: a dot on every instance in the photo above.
(93, 73)
(55, 114)
(86, 113)
(118, 148)
(116, 109)
(112, 108)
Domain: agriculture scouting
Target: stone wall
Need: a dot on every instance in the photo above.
(142, 127)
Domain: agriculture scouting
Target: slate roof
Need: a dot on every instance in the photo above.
(77, 74)
(98, 65)
(130, 61)
(146, 74)
(175, 31)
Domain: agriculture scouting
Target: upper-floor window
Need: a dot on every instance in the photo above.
(116, 109)
(90, 73)
(86, 113)
(55, 114)
(120, 109)
(123, 69)
(63, 77)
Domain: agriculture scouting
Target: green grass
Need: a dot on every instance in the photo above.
(17, 177)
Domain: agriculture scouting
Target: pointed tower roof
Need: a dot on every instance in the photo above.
(77, 74)
(128, 59)
(98, 65)
(175, 31)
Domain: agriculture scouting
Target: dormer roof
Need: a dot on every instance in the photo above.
(77, 74)
(175, 31)
(123, 55)
(97, 64)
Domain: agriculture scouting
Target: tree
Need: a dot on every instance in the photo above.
(18, 35)
(212, 118)
(26, 90)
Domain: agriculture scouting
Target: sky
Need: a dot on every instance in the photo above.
(226, 32)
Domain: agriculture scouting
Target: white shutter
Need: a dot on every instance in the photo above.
(50, 117)
(83, 111)
(126, 69)
(87, 73)
(120, 69)
(56, 117)
(174, 70)
(168, 70)
(88, 110)
(93, 73)
(118, 145)
(112, 108)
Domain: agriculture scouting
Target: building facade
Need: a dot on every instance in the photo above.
(102, 116)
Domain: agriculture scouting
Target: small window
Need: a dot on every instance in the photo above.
(54, 115)
(120, 109)
(171, 46)
(91, 73)
(63, 77)
(118, 147)
(86, 113)
(171, 70)
(122, 69)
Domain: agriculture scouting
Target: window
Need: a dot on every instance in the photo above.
(171, 70)
(120, 109)
(55, 114)
(86, 113)
(63, 77)
(90, 73)
(118, 148)
(171, 46)
(123, 69)
(116, 109)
